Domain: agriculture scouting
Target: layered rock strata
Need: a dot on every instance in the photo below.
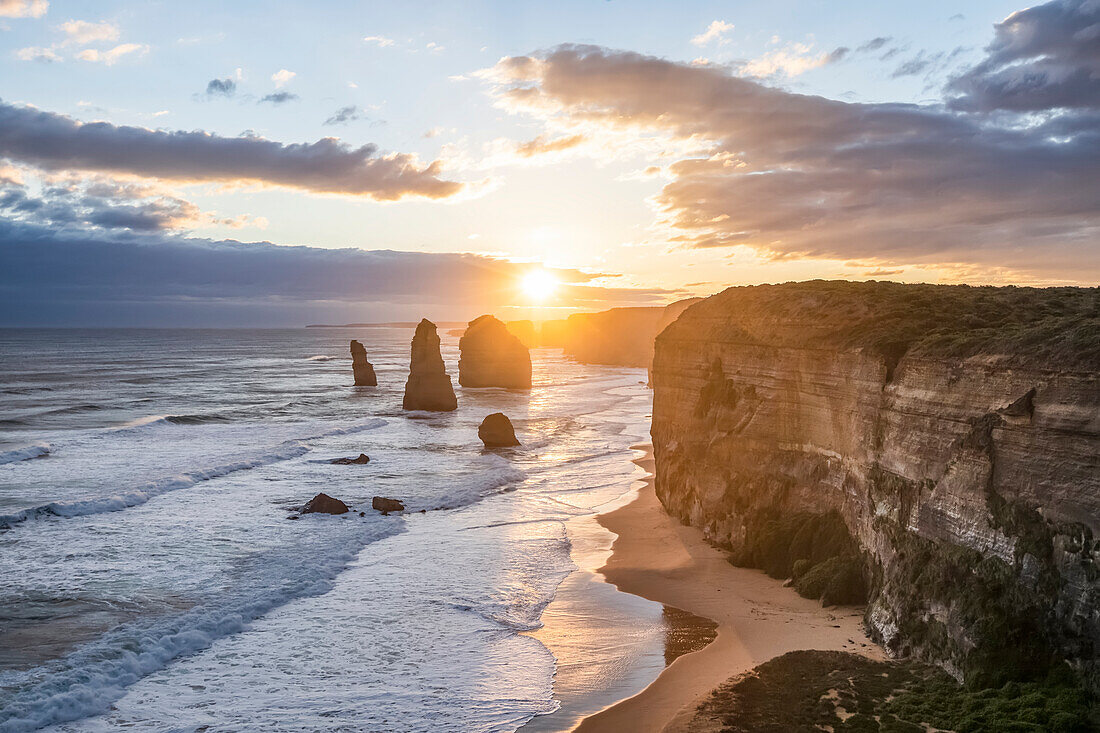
(491, 356)
(362, 369)
(429, 385)
(954, 431)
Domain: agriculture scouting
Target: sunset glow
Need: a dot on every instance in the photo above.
(539, 285)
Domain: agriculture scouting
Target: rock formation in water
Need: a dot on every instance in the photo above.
(491, 356)
(934, 448)
(429, 385)
(363, 458)
(384, 505)
(496, 431)
(361, 368)
(324, 504)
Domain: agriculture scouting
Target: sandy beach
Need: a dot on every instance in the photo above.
(657, 558)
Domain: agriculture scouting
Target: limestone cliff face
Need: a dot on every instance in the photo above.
(956, 431)
(491, 356)
(429, 385)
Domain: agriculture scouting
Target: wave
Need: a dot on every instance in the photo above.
(150, 420)
(87, 681)
(322, 357)
(25, 453)
(140, 494)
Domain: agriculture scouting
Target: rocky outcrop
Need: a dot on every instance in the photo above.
(496, 431)
(384, 505)
(491, 356)
(362, 369)
(324, 504)
(363, 458)
(952, 434)
(429, 385)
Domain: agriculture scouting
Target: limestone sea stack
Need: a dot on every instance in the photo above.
(361, 368)
(429, 385)
(496, 431)
(492, 356)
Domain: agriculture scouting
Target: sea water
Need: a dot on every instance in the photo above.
(151, 577)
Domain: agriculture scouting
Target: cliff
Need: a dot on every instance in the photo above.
(617, 337)
(428, 386)
(491, 356)
(934, 450)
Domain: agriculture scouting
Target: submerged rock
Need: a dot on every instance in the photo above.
(324, 504)
(492, 356)
(363, 458)
(361, 368)
(429, 385)
(385, 505)
(496, 431)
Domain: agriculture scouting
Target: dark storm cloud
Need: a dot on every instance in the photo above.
(799, 175)
(56, 142)
(1045, 57)
(221, 88)
(55, 276)
(278, 98)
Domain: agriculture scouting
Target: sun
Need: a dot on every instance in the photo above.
(538, 285)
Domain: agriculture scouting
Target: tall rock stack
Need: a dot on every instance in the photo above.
(492, 356)
(429, 385)
(361, 368)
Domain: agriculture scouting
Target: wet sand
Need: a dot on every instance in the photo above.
(657, 558)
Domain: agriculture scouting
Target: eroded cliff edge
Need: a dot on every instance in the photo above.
(955, 431)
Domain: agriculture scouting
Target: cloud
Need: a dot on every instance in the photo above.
(345, 115)
(56, 142)
(542, 145)
(111, 56)
(380, 41)
(23, 8)
(716, 31)
(37, 53)
(221, 87)
(57, 277)
(81, 32)
(792, 175)
(278, 98)
(100, 203)
(282, 77)
(792, 60)
(874, 44)
(1045, 57)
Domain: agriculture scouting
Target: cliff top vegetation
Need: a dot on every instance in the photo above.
(1060, 325)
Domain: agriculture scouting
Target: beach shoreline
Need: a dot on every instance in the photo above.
(655, 557)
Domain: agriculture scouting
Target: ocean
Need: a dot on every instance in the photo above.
(151, 579)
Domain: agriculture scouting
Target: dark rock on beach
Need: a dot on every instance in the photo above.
(324, 504)
(385, 505)
(496, 431)
(429, 385)
(361, 368)
(363, 458)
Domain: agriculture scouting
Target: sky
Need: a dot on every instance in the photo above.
(264, 164)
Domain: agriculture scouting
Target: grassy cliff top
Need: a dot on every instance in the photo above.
(1058, 325)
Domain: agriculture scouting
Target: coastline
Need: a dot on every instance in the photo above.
(655, 557)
